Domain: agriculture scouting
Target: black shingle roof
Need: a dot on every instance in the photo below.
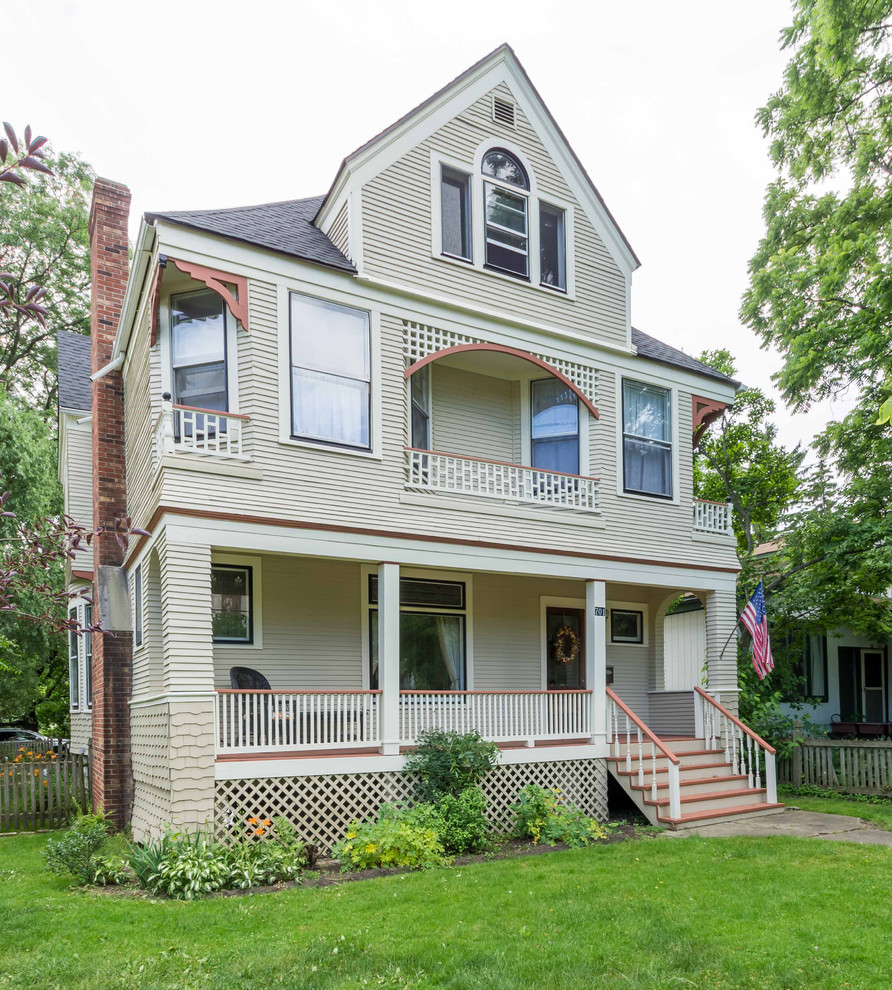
(75, 387)
(656, 350)
(286, 227)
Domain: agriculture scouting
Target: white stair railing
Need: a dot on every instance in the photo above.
(499, 716)
(277, 721)
(748, 754)
(624, 724)
(712, 517)
(429, 470)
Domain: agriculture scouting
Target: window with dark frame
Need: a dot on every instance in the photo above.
(232, 603)
(506, 211)
(198, 350)
(647, 440)
(626, 626)
(432, 635)
(552, 246)
(330, 373)
(554, 426)
(455, 213)
(420, 400)
(808, 662)
(137, 606)
(73, 664)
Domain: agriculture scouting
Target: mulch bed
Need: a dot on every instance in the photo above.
(328, 871)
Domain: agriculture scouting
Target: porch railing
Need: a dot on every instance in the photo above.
(499, 716)
(747, 752)
(712, 517)
(199, 431)
(277, 721)
(430, 470)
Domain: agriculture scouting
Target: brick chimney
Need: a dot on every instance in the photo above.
(112, 652)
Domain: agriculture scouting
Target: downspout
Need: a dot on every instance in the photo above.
(112, 365)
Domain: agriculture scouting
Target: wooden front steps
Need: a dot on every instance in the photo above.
(711, 791)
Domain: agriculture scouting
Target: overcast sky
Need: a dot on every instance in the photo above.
(211, 104)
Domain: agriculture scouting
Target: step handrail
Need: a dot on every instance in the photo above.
(740, 725)
(655, 739)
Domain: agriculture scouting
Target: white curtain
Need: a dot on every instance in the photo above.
(449, 631)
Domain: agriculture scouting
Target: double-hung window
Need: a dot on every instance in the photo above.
(88, 655)
(455, 213)
(432, 635)
(232, 603)
(420, 399)
(198, 348)
(554, 426)
(552, 246)
(507, 213)
(330, 373)
(73, 663)
(647, 440)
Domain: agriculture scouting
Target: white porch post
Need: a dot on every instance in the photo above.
(596, 656)
(389, 655)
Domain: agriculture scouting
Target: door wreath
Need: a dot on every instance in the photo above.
(566, 646)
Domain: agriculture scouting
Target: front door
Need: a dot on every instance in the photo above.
(565, 646)
(873, 680)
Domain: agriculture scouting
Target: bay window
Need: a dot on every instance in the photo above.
(198, 350)
(647, 440)
(455, 213)
(554, 426)
(507, 209)
(330, 373)
(432, 635)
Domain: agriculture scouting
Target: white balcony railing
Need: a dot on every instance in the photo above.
(432, 471)
(277, 721)
(199, 431)
(712, 517)
(499, 716)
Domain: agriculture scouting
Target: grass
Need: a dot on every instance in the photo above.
(879, 814)
(712, 914)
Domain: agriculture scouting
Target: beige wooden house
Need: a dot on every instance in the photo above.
(405, 463)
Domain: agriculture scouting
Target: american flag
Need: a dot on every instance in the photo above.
(755, 618)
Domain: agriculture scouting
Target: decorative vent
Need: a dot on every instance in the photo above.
(503, 111)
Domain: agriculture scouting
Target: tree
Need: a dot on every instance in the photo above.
(45, 280)
(739, 460)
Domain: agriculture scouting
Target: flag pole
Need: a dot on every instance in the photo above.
(728, 640)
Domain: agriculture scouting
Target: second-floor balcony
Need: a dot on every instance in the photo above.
(189, 429)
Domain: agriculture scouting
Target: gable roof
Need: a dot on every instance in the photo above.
(285, 227)
(74, 368)
(504, 53)
(656, 350)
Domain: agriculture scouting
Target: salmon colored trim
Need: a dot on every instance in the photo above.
(705, 501)
(214, 280)
(735, 720)
(704, 412)
(274, 691)
(395, 534)
(83, 575)
(210, 412)
(502, 349)
(510, 691)
(483, 460)
(654, 739)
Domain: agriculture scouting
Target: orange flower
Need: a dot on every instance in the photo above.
(266, 821)
(259, 831)
(252, 821)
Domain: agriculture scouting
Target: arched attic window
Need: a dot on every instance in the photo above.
(507, 213)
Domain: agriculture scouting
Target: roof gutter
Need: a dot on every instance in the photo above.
(133, 296)
(112, 365)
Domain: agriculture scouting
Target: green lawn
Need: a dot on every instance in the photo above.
(703, 913)
(879, 814)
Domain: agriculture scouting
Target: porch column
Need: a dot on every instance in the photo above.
(596, 656)
(721, 653)
(389, 655)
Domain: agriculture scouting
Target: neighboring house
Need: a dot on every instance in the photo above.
(402, 458)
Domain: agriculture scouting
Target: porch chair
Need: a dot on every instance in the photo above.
(248, 679)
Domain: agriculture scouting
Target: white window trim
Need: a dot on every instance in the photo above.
(84, 703)
(645, 623)
(428, 369)
(478, 246)
(428, 573)
(526, 429)
(139, 604)
(546, 602)
(256, 565)
(74, 697)
(166, 344)
(674, 425)
(284, 291)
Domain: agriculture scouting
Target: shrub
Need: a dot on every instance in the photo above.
(74, 851)
(540, 816)
(193, 866)
(450, 762)
(398, 837)
(112, 871)
(464, 827)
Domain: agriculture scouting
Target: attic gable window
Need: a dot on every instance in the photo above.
(506, 213)
(455, 212)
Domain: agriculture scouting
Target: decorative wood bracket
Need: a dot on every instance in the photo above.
(215, 280)
(704, 413)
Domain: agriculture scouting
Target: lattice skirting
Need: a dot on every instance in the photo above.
(322, 807)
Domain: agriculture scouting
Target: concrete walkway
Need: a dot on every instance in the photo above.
(806, 824)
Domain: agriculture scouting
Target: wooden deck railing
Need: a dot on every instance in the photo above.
(712, 517)
(199, 431)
